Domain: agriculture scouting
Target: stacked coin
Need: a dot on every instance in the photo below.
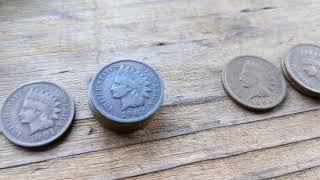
(125, 94)
(301, 66)
(36, 114)
(254, 83)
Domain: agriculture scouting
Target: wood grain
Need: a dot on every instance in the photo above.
(310, 174)
(188, 42)
(260, 164)
(195, 79)
(178, 151)
(170, 121)
(57, 15)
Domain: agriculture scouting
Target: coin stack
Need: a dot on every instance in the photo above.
(125, 94)
(301, 66)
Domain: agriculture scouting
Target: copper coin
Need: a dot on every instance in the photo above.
(36, 114)
(302, 68)
(125, 94)
(254, 83)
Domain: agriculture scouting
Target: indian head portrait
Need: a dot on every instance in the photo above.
(39, 110)
(131, 87)
(257, 80)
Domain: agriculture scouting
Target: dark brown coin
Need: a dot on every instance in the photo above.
(254, 83)
(302, 68)
(36, 114)
(125, 94)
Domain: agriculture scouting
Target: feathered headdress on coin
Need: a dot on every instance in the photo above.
(44, 101)
(134, 79)
(138, 84)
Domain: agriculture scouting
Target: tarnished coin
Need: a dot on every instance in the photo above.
(302, 68)
(36, 114)
(124, 94)
(254, 83)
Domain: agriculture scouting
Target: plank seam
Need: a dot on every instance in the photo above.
(294, 172)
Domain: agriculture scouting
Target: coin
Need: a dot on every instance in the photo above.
(254, 83)
(125, 94)
(36, 114)
(301, 66)
(292, 82)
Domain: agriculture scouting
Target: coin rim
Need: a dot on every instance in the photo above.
(50, 140)
(132, 120)
(297, 86)
(242, 102)
(291, 74)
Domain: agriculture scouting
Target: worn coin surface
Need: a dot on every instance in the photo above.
(302, 68)
(254, 83)
(126, 93)
(36, 114)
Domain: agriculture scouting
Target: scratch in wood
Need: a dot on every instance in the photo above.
(64, 71)
(161, 44)
(258, 9)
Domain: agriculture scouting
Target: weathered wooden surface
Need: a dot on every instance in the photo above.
(199, 133)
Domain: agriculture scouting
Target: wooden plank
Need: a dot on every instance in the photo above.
(68, 15)
(216, 28)
(178, 151)
(15, 10)
(60, 39)
(190, 116)
(261, 164)
(193, 79)
(187, 42)
(193, 83)
(308, 174)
